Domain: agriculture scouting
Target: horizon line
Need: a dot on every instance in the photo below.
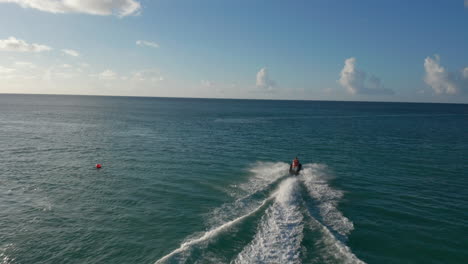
(226, 98)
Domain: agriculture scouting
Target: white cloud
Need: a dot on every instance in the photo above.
(19, 45)
(93, 7)
(107, 75)
(350, 78)
(24, 64)
(4, 70)
(465, 71)
(356, 82)
(70, 52)
(264, 81)
(147, 43)
(63, 71)
(438, 78)
(19, 70)
(466, 3)
(152, 75)
(147, 76)
(206, 83)
(442, 81)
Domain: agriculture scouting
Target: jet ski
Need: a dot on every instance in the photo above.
(294, 170)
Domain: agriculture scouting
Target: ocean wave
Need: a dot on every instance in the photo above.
(5, 258)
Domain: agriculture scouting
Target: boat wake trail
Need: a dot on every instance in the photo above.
(331, 223)
(264, 178)
(281, 207)
(253, 196)
(314, 177)
(208, 235)
(280, 233)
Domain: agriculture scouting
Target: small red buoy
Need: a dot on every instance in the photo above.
(98, 166)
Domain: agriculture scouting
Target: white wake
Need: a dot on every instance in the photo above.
(315, 180)
(263, 175)
(279, 236)
(330, 249)
(281, 229)
(209, 234)
(250, 194)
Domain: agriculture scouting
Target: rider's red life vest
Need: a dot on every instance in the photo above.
(295, 163)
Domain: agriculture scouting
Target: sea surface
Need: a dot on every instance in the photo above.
(206, 181)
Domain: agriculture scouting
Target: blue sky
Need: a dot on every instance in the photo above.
(386, 50)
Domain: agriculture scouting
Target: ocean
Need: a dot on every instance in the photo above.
(206, 181)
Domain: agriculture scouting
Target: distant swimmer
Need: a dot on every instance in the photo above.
(98, 166)
(295, 167)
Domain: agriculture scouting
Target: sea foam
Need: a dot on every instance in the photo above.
(263, 175)
(315, 179)
(279, 235)
(280, 231)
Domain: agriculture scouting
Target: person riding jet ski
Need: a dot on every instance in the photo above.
(295, 167)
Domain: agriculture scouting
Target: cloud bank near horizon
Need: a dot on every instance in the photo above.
(264, 81)
(356, 81)
(443, 81)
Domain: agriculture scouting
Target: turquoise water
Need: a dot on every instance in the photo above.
(205, 181)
